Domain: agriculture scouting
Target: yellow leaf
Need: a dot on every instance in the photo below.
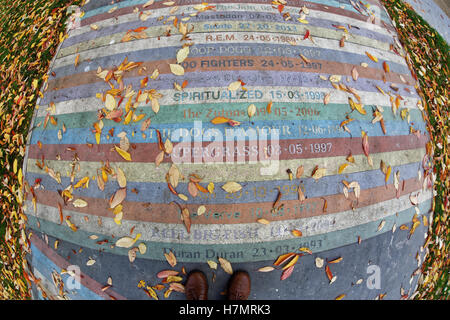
(123, 153)
(182, 54)
(231, 187)
(77, 58)
(340, 297)
(263, 221)
(176, 69)
(219, 120)
(212, 264)
(388, 173)
(375, 59)
(319, 173)
(342, 167)
(234, 85)
(292, 262)
(226, 265)
(304, 249)
(251, 110)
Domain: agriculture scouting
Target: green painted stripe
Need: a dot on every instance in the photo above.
(147, 172)
(280, 111)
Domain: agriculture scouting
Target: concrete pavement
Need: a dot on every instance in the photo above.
(99, 170)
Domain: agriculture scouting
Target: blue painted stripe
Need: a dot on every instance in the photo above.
(46, 266)
(258, 78)
(128, 3)
(157, 192)
(309, 129)
(216, 16)
(212, 51)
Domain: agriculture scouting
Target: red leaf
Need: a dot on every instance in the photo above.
(306, 35)
(287, 273)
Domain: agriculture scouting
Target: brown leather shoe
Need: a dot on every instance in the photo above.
(239, 286)
(196, 287)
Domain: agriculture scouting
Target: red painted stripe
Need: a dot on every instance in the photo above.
(147, 152)
(344, 69)
(170, 213)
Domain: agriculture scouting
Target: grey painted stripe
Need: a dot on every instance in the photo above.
(337, 96)
(233, 171)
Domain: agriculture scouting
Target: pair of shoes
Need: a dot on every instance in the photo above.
(196, 287)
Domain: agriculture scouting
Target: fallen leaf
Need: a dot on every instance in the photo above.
(166, 273)
(296, 233)
(355, 74)
(287, 273)
(123, 153)
(182, 54)
(381, 225)
(263, 221)
(125, 242)
(212, 264)
(251, 110)
(234, 85)
(266, 269)
(328, 273)
(375, 59)
(79, 203)
(337, 260)
(121, 179)
(342, 167)
(232, 187)
(319, 262)
(318, 173)
(171, 259)
(118, 197)
(226, 265)
(176, 69)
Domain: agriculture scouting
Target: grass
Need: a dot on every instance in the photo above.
(30, 32)
(430, 60)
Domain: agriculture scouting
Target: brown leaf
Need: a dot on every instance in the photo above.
(118, 197)
(171, 259)
(300, 171)
(226, 265)
(186, 219)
